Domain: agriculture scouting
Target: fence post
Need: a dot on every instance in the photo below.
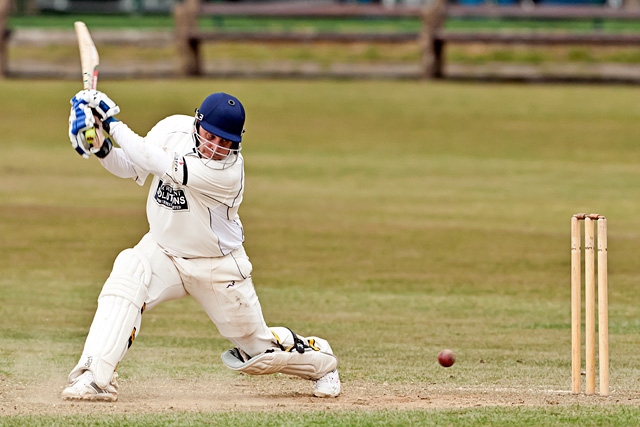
(433, 18)
(185, 15)
(5, 32)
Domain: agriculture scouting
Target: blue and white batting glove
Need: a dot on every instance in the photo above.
(99, 102)
(101, 105)
(80, 119)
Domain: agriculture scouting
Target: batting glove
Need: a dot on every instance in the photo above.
(100, 103)
(80, 119)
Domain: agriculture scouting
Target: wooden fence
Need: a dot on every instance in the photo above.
(189, 36)
(5, 33)
(432, 37)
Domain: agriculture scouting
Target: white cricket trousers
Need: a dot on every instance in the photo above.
(222, 286)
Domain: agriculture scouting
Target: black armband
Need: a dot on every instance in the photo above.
(105, 149)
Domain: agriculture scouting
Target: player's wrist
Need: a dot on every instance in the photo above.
(108, 122)
(104, 149)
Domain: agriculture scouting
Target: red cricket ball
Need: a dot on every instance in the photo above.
(446, 358)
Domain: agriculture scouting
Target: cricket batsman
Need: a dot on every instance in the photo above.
(194, 246)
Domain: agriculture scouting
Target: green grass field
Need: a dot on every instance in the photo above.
(248, 23)
(392, 218)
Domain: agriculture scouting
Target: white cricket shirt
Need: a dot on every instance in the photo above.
(192, 207)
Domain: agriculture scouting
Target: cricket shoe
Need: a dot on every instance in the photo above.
(327, 386)
(85, 388)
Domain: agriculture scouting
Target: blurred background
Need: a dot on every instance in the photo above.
(165, 6)
(523, 40)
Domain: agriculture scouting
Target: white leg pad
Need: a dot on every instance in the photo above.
(315, 360)
(117, 319)
(310, 365)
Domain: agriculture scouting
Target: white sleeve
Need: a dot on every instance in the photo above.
(146, 156)
(119, 165)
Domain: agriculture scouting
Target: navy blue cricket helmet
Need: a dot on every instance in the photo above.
(222, 115)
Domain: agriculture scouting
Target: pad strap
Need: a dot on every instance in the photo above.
(298, 343)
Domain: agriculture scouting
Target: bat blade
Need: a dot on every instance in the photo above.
(89, 58)
(89, 61)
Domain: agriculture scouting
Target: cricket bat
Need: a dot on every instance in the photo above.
(89, 60)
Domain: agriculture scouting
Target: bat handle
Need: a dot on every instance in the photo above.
(90, 134)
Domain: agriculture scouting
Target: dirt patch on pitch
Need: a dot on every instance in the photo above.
(277, 393)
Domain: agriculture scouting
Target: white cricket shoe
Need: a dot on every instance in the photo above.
(327, 386)
(84, 388)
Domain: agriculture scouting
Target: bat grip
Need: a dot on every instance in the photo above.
(90, 134)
